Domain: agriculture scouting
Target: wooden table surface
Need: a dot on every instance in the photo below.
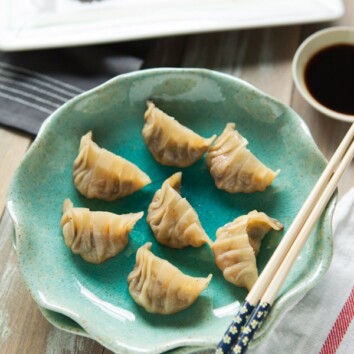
(260, 56)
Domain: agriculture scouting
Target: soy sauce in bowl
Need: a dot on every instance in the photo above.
(329, 77)
(323, 72)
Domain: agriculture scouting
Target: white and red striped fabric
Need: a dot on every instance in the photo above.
(340, 327)
(323, 321)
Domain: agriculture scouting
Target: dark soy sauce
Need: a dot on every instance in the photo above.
(329, 76)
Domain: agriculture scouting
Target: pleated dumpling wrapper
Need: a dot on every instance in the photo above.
(171, 143)
(233, 167)
(160, 287)
(96, 235)
(237, 245)
(98, 173)
(172, 219)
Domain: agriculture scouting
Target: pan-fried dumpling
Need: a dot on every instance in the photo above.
(96, 235)
(237, 245)
(233, 167)
(160, 287)
(98, 173)
(171, 143)
(172, 219)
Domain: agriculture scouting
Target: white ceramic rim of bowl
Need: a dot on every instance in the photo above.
(319, 40)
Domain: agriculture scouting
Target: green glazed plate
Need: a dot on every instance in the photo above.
(94, 299)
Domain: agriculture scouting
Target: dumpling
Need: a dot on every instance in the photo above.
(233, 167)
(96, 235)
(171, 143)
(98, 173)
(160, 287)
(172, 219)
(237, 245)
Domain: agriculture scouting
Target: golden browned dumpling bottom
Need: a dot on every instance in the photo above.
(233, 167)
(172, 219)
(96, 235)
(171, 143)
(237, 245)
(160, 287)
(98, 173)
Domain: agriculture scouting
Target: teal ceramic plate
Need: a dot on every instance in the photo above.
(96, 296)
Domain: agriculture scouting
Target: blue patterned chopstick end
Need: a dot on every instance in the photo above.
(248, 331)
(234, 330)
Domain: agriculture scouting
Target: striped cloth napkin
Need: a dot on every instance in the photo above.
(322, 322)
(34, 83)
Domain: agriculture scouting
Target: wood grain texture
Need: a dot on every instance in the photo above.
(13, 146)
(23, 329)
(260, 56)
(326, 132)
(165, 52)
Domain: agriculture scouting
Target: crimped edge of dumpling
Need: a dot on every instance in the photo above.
(217, 150)
(275, 224)
(203, 144)
(242, 223)
(174, 182)
(67, 221)
(202, 282)
(151, 107)
(141, 179)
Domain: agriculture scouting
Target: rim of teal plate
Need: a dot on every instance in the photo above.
(287, 300)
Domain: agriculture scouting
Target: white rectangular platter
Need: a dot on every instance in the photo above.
(34, 24)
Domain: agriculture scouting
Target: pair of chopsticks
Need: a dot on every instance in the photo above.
(263, 294)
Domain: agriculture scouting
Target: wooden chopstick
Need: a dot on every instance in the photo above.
(268, 298)
(328, 180)
(278, 279)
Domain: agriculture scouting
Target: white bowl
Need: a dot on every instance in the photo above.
(313, 44)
